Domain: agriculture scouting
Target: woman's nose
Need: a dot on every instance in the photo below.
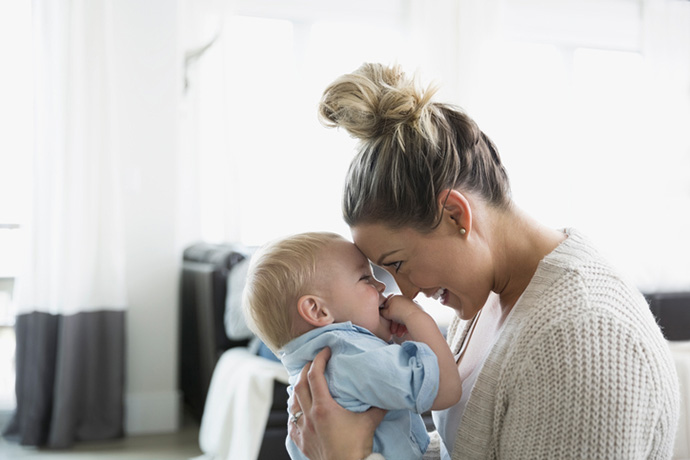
(407, 289)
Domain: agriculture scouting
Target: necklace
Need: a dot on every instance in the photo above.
(466, 340)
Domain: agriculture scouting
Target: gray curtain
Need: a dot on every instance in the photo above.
(71, 293)
(70, 378)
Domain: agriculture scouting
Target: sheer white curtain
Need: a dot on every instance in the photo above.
(76, 240)
(71, 292)
(666, 175)
(267, 167)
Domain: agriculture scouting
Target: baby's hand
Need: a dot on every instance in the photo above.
(400, 310)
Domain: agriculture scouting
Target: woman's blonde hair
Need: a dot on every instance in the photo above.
(279, 274)
(410, 150)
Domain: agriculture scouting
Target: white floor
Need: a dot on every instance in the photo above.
(176, 446)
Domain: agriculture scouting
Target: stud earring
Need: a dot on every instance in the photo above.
(462, 230)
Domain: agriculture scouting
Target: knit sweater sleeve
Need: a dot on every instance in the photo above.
(588, 385)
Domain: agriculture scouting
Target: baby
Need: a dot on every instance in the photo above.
(316, 290)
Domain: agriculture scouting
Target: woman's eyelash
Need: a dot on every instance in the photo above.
(395, 265)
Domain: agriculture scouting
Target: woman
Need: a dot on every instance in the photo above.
(559, 356)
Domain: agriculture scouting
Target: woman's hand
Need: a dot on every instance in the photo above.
(325, 430)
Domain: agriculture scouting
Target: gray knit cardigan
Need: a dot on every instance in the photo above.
(581, 370)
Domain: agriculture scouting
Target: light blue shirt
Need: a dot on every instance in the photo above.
(365, 371)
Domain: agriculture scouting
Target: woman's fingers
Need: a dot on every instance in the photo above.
(302, 400)
(311, 394)
(300, 403)
(374, 416)
(316, 377)
(312, 386)
(326, 431)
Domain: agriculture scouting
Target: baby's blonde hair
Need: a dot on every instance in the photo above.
(279, 274)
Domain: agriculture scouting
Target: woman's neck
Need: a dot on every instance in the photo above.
(520, 244)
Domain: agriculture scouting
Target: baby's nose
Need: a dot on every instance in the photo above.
(380, 286)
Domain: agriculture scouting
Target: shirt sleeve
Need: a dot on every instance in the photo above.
(390, 377)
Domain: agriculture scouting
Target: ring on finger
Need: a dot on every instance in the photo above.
(294, 417)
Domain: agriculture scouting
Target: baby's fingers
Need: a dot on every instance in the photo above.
(402, 330)
(398, 329)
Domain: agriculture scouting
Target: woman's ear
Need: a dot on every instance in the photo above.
(313, 310)
(457, 210)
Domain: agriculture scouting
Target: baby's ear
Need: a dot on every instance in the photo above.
(313, 310)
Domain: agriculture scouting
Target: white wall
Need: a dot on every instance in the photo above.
(149, 87)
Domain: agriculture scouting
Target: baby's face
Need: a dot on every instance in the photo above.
(350, 289)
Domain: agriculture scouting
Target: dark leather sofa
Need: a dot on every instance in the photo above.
(672, 312)
(203, 293)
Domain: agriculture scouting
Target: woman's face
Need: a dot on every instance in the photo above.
(442, 263)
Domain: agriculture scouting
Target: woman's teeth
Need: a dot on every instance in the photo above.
(437, 295)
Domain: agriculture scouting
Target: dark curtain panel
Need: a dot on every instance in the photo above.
(70, 378)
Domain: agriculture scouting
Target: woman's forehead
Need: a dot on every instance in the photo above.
(378, 241)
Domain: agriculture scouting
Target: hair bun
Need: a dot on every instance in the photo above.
(375, 101)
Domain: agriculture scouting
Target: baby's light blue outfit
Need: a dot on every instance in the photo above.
(365, 371)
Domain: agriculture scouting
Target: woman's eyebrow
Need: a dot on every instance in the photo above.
(386, 254)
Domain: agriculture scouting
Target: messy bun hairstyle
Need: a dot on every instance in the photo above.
(410, 150)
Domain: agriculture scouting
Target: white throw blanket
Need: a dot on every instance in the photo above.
(237, 406)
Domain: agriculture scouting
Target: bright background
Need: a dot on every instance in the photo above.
(588, 102)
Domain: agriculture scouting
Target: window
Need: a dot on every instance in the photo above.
(590, 109)
(268, 167)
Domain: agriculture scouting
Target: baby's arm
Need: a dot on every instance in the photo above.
(422, 328)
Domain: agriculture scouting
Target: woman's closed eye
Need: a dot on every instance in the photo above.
(396, 265)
